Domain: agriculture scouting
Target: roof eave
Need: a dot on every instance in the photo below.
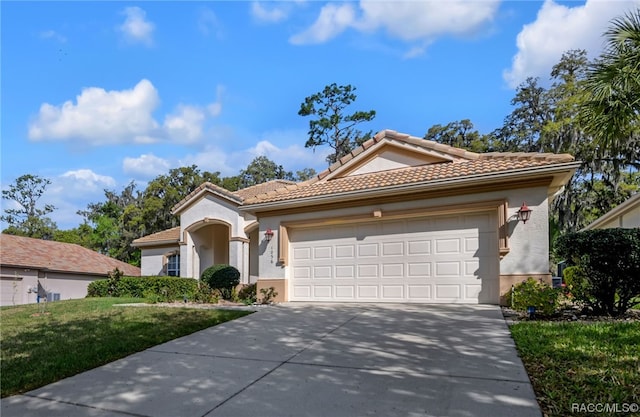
(568, 167)
(165, 242)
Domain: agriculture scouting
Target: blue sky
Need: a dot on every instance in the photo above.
(97, 94)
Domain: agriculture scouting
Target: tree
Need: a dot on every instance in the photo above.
(305, 174)
(332, 126)
(27, 219)
(459, 134)
(612, 103)
(262, 169)
(165, 191)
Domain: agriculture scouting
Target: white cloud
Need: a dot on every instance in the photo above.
(559, 28)
(52, 34)
(272, 15)
(136, 28)
(84, 181)
(101, 117)
(208, 23)
(332, 21)
(72, 191)
(409, 21)
(146, 166)
(215, 108)
(185, 125)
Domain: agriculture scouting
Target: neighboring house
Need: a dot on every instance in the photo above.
(626, 215)
(63, 269)
(399, 219)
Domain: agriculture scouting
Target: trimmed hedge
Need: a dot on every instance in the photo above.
(164, 288)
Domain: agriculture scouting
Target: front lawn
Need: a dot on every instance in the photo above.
(582, 369)
(77, 335)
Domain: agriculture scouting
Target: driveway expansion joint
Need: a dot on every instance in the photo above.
(75, 404)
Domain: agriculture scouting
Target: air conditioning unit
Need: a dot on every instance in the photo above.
(556, 282)
(53, 296)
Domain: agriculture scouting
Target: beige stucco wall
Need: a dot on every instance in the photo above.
(629, 219)
(529, 243)
(153, 260)
(69, 286)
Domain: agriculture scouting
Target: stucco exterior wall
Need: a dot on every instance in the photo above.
(529, 243)
(154, 258)
(69, 286)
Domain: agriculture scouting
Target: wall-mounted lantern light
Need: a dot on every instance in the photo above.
(268, 234)
(524, 213)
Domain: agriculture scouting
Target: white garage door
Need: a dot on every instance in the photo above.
(452, 259)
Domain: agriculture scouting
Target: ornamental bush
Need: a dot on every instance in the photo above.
(222, 277)
(534, 293)
(159, 289)
(610, 262)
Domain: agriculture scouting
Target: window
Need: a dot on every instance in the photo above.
(173, 265)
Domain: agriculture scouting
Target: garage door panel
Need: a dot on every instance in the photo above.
(322, 252)
(345, 292)
(392, 270)
(437, 260)
(447, 269)
(419, 247)
(322, 272)
(393, 291)
(419, 269)
(345, 271)
(368, 291)
(419, 292)
(322, 291)
(301, 253)
(447, 292)
(368, 271)
(368, 250)
(345, 251)
(392, 249)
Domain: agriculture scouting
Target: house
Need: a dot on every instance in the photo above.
(399, 219)
(63, 269)
(626, 215)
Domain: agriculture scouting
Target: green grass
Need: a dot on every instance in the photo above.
(77, 335)
(581, 363)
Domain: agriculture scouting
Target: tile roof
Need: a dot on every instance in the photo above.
(263, 188)
(58, 256)
(236, 196)
(166, 236)
(486, 164)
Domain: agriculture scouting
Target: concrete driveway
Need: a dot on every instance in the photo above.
(310, 360)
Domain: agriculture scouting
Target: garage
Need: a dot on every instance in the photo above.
(10, 291)
(443, 259)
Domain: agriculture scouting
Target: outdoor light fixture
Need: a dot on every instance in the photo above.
(524, 213)
(268, 234)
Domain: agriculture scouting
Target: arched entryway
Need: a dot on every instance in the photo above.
(207, 245)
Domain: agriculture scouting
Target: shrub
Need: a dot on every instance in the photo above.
(536, 294)
(160, 289)
(247, 294)
(268, 294)
(98, 288)
(222, 277)
(610, 261)
(576, 286)
(205, 294)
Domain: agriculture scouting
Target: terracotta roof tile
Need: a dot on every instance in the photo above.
(258, 189)
(57, 256)
(166, 236)
(412, 175)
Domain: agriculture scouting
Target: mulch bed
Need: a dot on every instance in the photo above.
(569, 314)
